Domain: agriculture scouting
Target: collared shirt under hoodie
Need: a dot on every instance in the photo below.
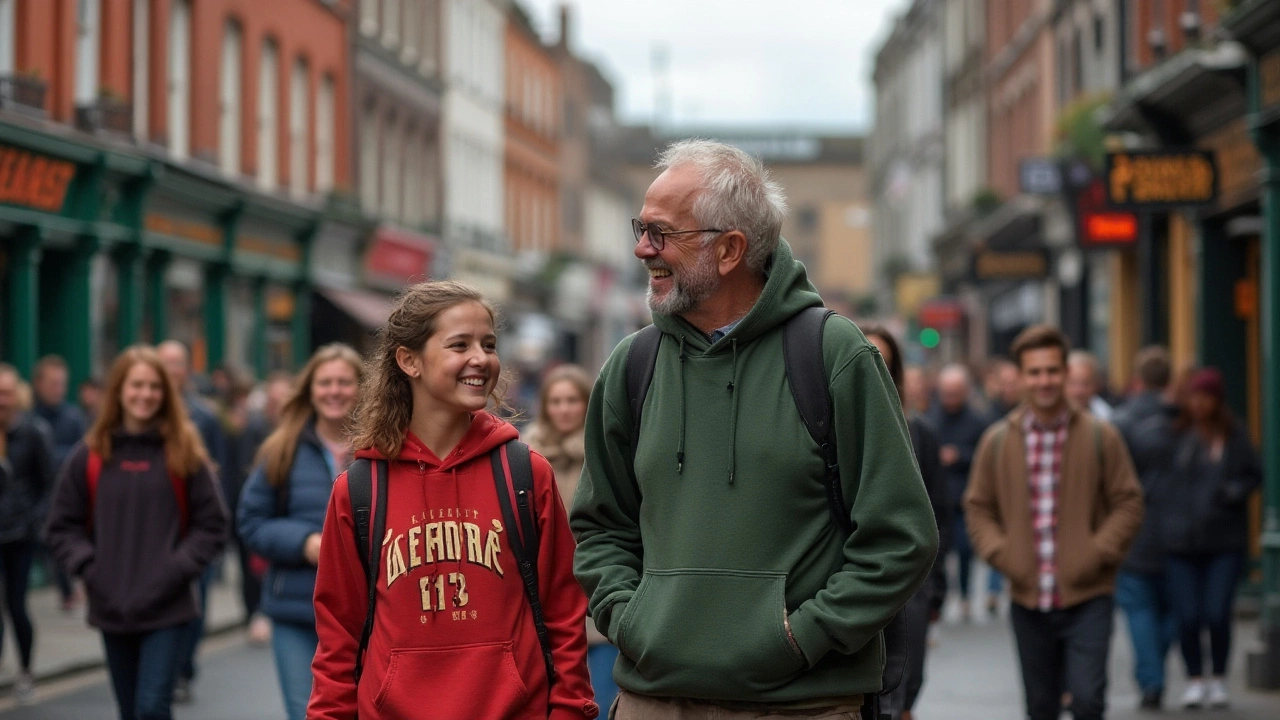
(1044, 468)
(453, 635)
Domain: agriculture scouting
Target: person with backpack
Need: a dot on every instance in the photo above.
(446, 558)
(137, 516)
(1053, 503)
(282, 508)
(744, 560)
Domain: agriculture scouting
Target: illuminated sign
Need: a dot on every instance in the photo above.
(1010, 265)
(1161, 179)
(34, 181)
(1100, 226)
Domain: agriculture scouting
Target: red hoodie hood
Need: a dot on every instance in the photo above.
(486, 433)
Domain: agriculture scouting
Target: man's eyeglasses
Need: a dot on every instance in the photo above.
(658, 236)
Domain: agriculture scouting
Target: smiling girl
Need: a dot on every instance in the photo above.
(137, 515)
(283, 503)
(453, 635)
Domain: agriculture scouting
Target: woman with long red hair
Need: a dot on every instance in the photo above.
(137, 515)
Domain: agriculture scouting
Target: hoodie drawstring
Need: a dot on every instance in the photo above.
(683, 406)
(733, 415)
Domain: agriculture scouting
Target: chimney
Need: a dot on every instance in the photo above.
(564, 26)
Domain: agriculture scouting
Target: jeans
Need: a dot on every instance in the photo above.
(1152, 627)
(1064, 650)
(963, 550)
(195, 630)
(15, 567)
(600, 661)
(1202, 590)
(142, 671)
(294, 645)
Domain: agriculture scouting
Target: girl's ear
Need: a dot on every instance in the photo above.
(408, 362)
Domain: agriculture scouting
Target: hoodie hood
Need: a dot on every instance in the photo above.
(486, 433)
(787, 291)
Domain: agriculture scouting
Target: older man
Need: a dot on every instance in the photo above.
(1084, 381)
(705, 539)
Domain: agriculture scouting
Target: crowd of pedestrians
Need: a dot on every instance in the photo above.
(749, 513)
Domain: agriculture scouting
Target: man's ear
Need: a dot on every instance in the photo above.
(731, 251)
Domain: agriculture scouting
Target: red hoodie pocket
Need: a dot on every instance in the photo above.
(471, 681)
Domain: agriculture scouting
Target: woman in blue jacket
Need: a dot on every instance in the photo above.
(283, 504)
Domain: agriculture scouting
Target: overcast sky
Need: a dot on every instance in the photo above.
(795, 63)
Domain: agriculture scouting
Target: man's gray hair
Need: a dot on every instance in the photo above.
(737, 194)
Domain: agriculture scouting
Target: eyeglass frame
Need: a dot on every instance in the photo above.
(658, 236)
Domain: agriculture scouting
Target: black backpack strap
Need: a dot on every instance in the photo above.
(364, 502)
(523, 535)
(807, 376)
(641, 358)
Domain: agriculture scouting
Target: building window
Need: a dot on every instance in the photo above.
(325, 135)
(268, 131)
(1077, 61)
(369, 17)
(369, 153)
(298, 124)
(141, 65)
(391, 22)
(412, 180)
(88, 24)
(180, 78)
(1099, 33)
(412, 27)
(229, 102)
(392, 167)
(7, 22)
(430, 45)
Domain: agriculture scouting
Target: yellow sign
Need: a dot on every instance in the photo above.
(34, 181)
(272, 248)
(192, 230)
(1010, 265)
(1161, 179)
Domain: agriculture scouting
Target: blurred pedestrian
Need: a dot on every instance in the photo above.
(68, 426)
(917, 389)
(451, 605)
(89, 397)
(1214, 469)
(1053, 503)
(925, 607)
(27, 474)
(715, 559)
(959, 426)
(1084, 384)
(283, 506)
(177, 362)
(138, 516)
(558, 434)
(1000, 387)
(1145, 421)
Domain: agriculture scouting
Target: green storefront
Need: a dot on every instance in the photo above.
(102, 247)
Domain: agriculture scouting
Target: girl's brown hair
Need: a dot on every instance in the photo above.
(184, 451)
(581, 382)
(278, 449)
(894, 361)
(386, 405)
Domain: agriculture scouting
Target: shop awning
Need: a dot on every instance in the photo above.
(370, 309)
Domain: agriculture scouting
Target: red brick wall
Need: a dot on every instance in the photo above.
(1142, 19)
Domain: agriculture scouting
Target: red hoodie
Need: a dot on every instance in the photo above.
(453, 634)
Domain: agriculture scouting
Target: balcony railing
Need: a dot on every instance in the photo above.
(106, 114)
(22, 92)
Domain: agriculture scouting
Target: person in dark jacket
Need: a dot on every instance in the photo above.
(26, 476)
(67, 425)
(283, 506)
(959, 426)
(925, 606)
(138, 516)
(1213, 471)
(1145, 423)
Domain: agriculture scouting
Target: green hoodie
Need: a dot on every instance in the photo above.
(698, 556)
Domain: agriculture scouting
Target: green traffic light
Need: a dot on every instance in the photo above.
(930, 338)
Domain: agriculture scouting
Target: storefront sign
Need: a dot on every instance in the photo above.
(1239, 164)
(1101, 227)
(192, 230)
(1269, 75)
(1039, 176)
(1161, 179)
(271, 248)
(991, 265)
(941, 314)
(34, 181)
(399, 256)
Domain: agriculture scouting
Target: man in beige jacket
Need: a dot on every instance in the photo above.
(1053, 503)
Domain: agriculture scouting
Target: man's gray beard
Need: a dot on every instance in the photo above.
(689, 289)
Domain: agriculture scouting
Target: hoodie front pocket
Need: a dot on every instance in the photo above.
(476, 681)
(710, 633)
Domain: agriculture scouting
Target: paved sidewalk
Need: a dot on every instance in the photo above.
(65, 644)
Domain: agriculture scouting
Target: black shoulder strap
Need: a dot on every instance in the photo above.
(641, 358)
(807, 377)
(360, 491)
(523, 535)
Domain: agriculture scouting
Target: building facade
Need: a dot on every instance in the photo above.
(532, 124)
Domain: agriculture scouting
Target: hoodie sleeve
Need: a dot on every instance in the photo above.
(207, 524)
(606, 508)
(67, 528)
(276, 538)
(341, 601)
(564, 605)
(895, 540)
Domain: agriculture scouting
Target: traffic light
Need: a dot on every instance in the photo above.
(929, 338)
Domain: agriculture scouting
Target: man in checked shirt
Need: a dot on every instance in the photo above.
(1053, 503)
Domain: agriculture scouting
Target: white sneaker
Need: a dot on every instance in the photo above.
(1193, 697)
(1218, 697)
(24, 689)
